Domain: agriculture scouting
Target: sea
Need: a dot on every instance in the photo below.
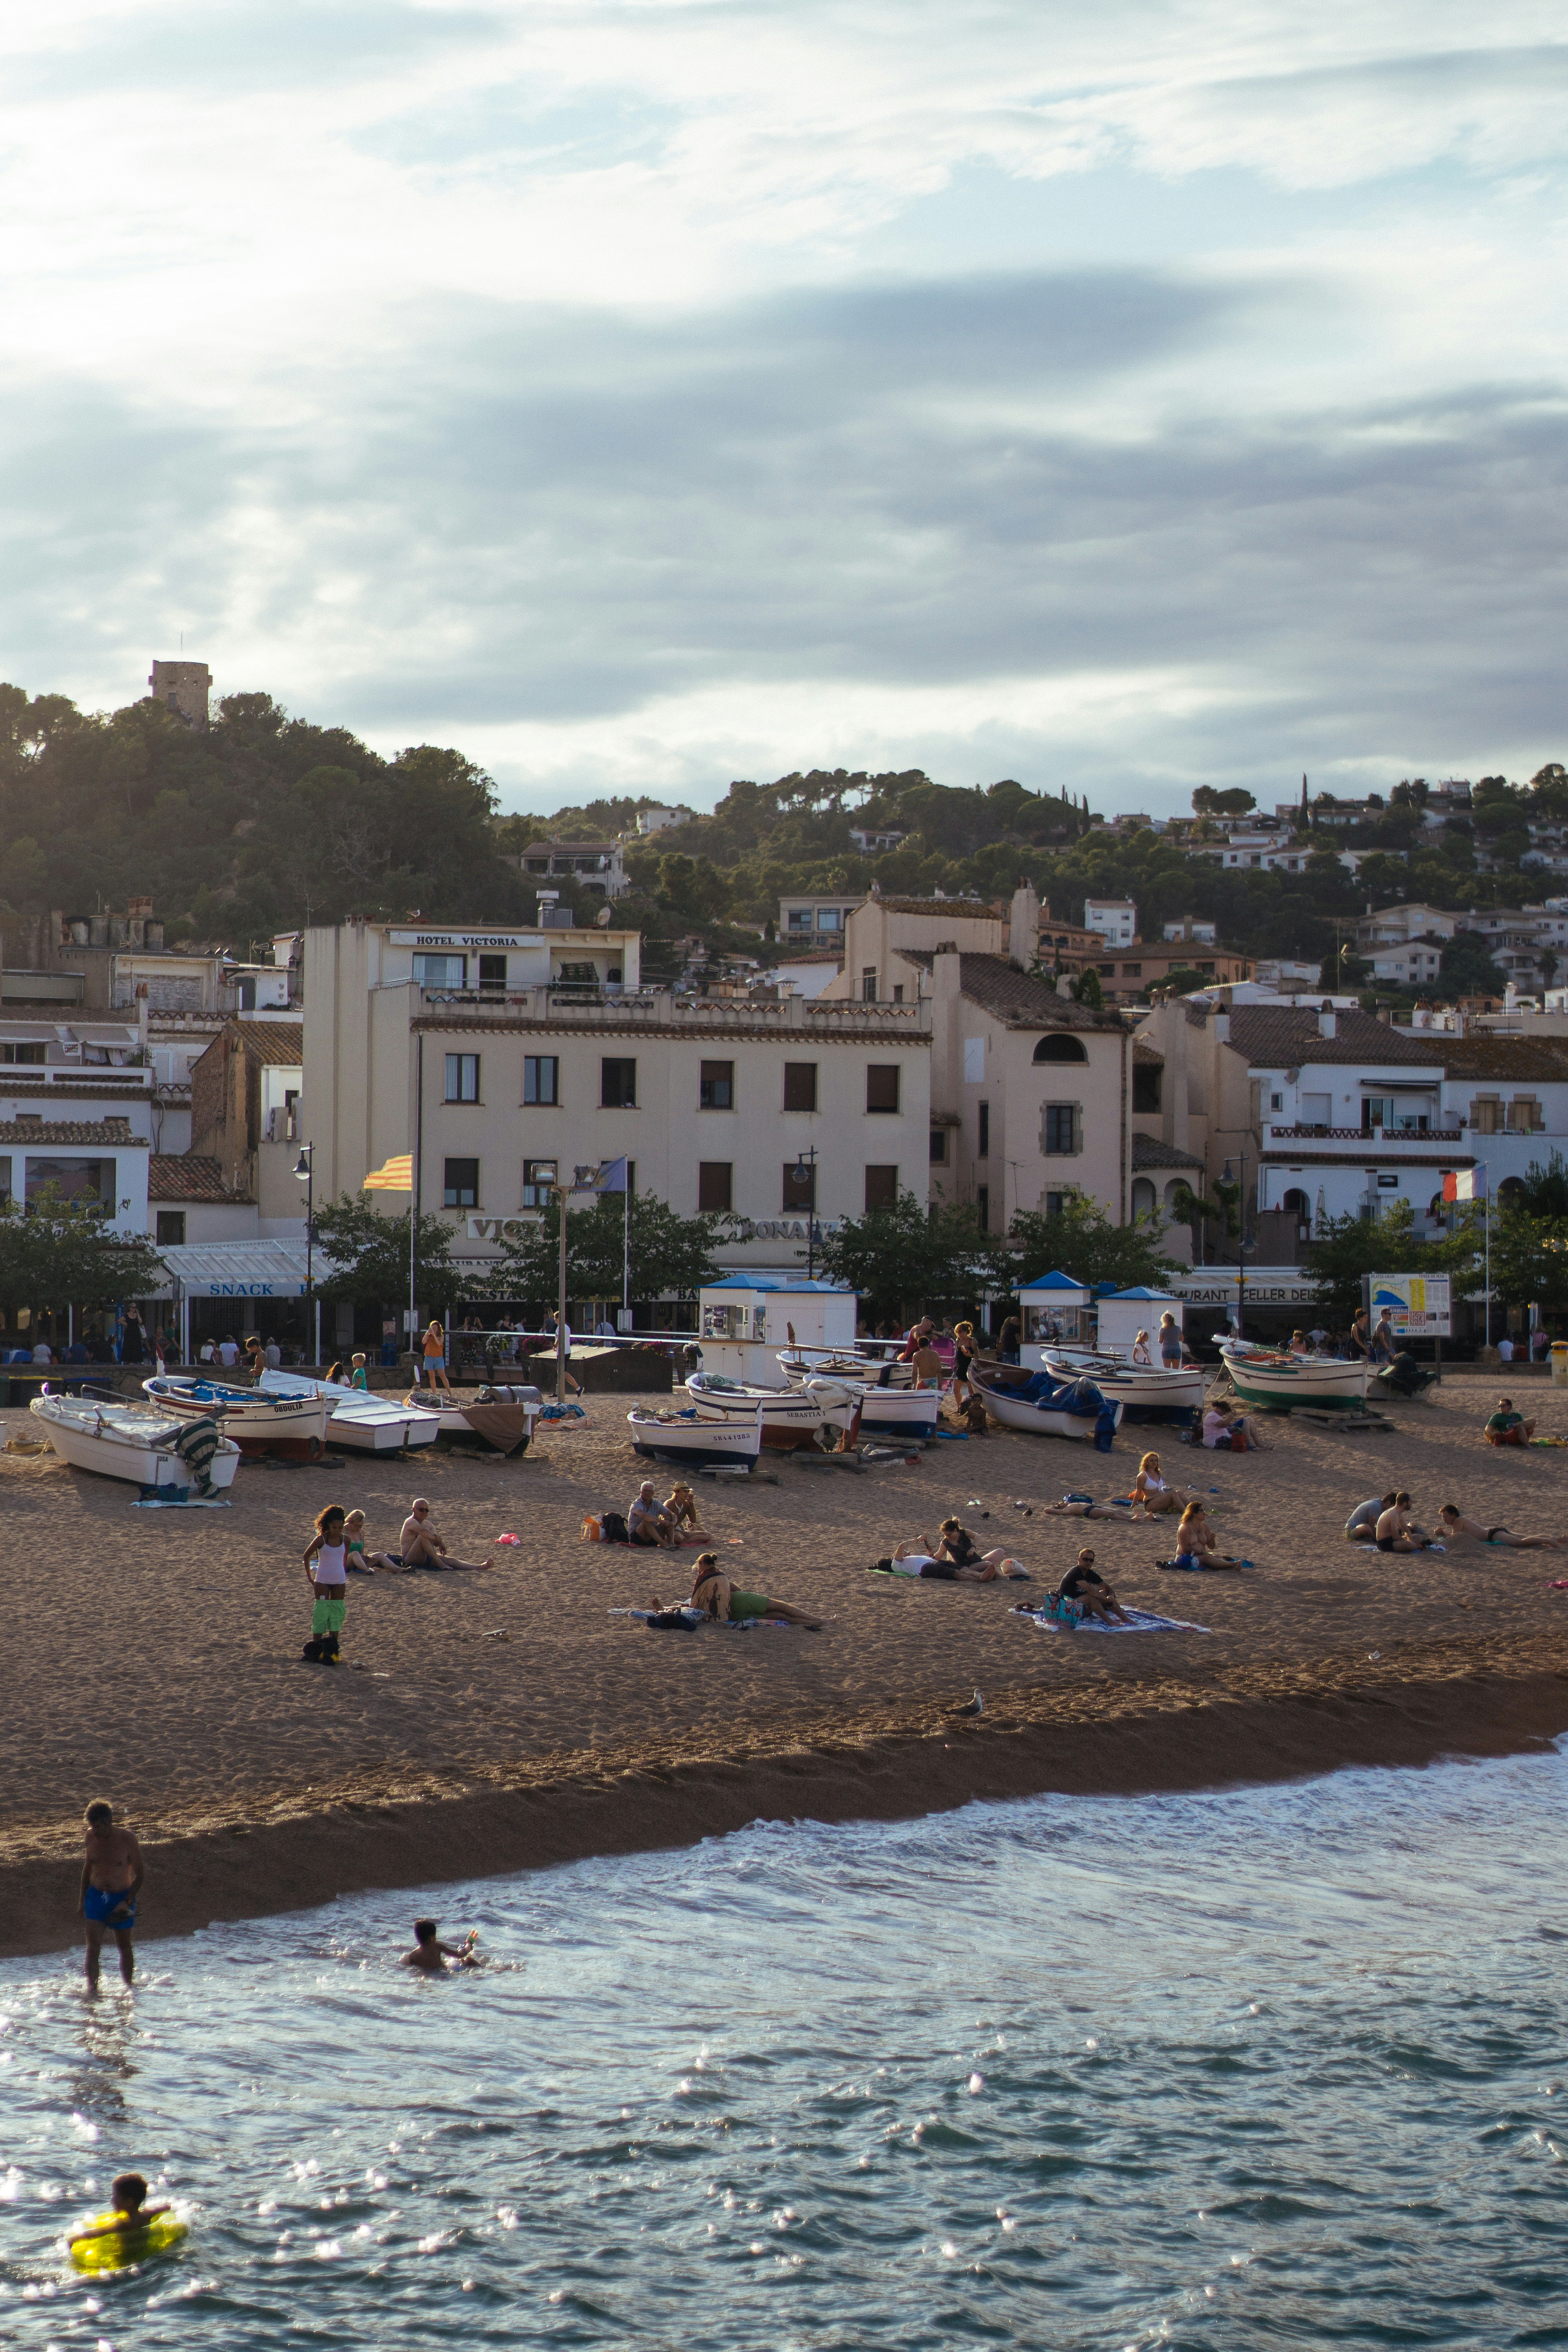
(1273, 2066)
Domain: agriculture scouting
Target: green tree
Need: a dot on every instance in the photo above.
(363, 1256)
(1210, 803)
(1079, 1239)
(1467, 969)
(1087, 989)
(907, 1257)
(1530, 1258)
(55, 1254)
(1544, 1192)
(668, 1253)
(1193, 1209)
(1351, 1246)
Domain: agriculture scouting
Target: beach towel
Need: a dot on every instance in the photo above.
(1186, 1560)
(178, 1498)
(1144, 1621)
(659, 1619)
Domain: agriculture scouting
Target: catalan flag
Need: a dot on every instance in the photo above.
(397, 1176)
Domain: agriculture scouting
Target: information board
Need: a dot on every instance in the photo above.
(1420, 1304)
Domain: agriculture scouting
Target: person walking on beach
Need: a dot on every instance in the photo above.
(111, 1875)
(421, 1545)
(326, 1565)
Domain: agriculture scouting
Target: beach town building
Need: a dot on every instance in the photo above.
(1116, 920)
(808, 921)
(245, 1124)
(596, 869)
(662, 819)
(505, 1060)
(76, 1116)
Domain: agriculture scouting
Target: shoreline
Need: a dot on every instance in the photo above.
(1242, 1724)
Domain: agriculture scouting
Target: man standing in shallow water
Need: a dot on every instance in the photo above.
(111, 1878)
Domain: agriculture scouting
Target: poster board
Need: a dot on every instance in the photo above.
(1420, 1304)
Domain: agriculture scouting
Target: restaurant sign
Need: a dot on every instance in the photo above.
(1267, 1285)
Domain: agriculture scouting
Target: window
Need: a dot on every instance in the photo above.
(538, 1177)
(830, 919)
(716, 1087)
(1060, 1049)
(939, 1146)
(799, 1187)
(462, 1078)
(715, 1186)
(1317, 1110)
(1107, 970)
(461, 1184)
(898, 992)
(1143, 1197)
(171, 1226)
(1062, 1131)
(617, 1083)
(541, 1078)
(31, 1055)
(797, 919)
(800, 1086)
(536, 865)
(882, 1087)
(881, 1188)
(492, 975)
(1131, 971)
(982, 1142)
(1524, 1114)
(1276, 1102)
(982, 1207)
(1055, 1204)
(868, 984)
(90, 1183)
(439, 970)
(1146, 1086)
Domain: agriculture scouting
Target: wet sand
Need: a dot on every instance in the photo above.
(153, 1656)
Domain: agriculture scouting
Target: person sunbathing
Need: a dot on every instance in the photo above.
(1507, 1427)
(1072, 1506)
(1195, 1542)
(1397, 1531)
(1085, 1585)
(1151, 1489)
(422, 1547)
(713, 1593)
(956, 1546)
(1452, 1522)
(357, 1560)
(680, 1510)
(913, 1560)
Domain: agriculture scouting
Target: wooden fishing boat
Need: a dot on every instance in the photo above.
(897, 1410)
(359, 1419)
(1275, 1381)
(502, 1418)
(1021, 1397)
(253, 1420)
(123, 1440)
(817, 1419)
(1145, 1391)
(734, 1442)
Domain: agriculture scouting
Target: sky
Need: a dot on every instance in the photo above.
(1118, 397)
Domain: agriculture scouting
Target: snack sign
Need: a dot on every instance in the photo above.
(1420, 1304)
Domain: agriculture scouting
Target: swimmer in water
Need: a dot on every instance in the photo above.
(129, 2207)
(433, 1956)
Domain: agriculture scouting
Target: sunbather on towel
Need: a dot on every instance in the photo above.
(958, 1548)
(1070, 1509)
(725, 1603)
(1195, 1542)
(1085, 1593)
(1152, 1490)
(1452, 1522)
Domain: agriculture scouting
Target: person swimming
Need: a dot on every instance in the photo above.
(435, 1958)
(129, 2210)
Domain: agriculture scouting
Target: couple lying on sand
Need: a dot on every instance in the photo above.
(1385, 1520)
(955, 1559)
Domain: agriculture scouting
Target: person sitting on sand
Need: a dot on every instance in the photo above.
(1507, 1427)
(1452, 1522)
(1397, 1531)
(1225, 1423)
(431, 1955)
(1195, 1542)
(1151, 1489)
(1085, 1585)
(1361, 1525)
(128, 2207)
(648, 1523)
(422, 1547)
(956, 1545)
(680, 1510)
(356, 1559)
(712, 1590)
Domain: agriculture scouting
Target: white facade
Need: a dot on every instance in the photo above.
(596, 867)
(807, 921)
(1116, 920)
(661, 820)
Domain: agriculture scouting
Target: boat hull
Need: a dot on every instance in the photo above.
(252, 1421)
(696, 1443)
(1327, 1386)
(103, 1440)
(792, 1419)
(1145, 1392)
(1005, 1400)
(897, 1410)
(358, 1420)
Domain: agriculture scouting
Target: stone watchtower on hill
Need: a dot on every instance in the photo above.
(184, 686)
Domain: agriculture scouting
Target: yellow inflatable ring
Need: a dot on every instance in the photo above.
(116, 2249)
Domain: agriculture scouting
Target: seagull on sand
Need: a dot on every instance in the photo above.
(977, 1705)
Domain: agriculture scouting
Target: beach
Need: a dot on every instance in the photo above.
(153, 1656)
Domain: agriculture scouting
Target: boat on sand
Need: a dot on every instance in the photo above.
(125, 1440)
(1275, 1380)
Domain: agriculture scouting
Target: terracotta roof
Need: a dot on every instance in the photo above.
(111, 1135)
(1273, 1037)
(1016, 997)
(1148, 1151)
(978, 909)
(281, 1042)
(1531, 1059)
(1144, 1053)
(185, 1176)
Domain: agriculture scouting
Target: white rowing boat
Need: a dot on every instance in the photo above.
(248, 1416)
(1046, 1407)
(816, 1418)
(698, 1444)
(897, 1409)
(134, 1442)
(452, 1413)
(361, 1419)
(1145, 1391)
(1274, 1381)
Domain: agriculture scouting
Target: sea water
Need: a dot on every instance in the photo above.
(1274, 2066)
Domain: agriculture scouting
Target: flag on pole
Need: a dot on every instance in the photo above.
(1465, 1184)
(613, 1176)
(397, 1176)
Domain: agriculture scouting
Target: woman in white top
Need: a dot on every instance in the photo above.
(326, 1555)
(1153, 1491)
(1141, 1349)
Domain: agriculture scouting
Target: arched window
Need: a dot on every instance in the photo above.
(1511, 1189)
(1058, 1048)
(1296, 1205)
(1173, 1188)
(1143, 1197)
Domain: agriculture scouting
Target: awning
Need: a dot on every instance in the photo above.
(239, 1269)
(1267, 1285)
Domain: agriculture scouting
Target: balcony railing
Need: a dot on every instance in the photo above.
(1381, 1136)
(101, 1076)
(662, 1009)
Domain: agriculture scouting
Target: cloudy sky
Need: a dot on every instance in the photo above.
(1116, 396)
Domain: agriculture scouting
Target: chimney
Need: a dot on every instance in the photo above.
(1222, 1027)
(1024, 926)
(1328, 1020)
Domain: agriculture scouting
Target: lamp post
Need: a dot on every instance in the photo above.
(1240, 1239)
(806, 1178)
(305, 1169)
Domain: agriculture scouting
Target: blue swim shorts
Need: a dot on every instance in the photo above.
(100, 1901)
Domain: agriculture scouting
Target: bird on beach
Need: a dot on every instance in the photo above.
(977, 1705)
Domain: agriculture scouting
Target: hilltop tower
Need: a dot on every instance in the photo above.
(184, 686)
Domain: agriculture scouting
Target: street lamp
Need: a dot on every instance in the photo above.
(806, 1180)
(305, 1169)
(1240, 1238)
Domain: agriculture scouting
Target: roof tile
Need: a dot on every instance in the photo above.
(188, 1176)
(1275, 1037)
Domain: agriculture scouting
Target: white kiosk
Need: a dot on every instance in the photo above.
(1055, 1313)
(1125, 1313)
(744, 1320)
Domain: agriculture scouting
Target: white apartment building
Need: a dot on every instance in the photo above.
(597, 868)
(814, 922)
(871, 840)
(1415, 965)
(76, 1116)
(1116, 920)
(661, 820)
(770, 1112)
(1394, 925)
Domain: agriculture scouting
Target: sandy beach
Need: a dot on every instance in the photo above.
(153, 1656)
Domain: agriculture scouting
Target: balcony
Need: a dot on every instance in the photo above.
(1380, 1141)
(569, 1008)
(100, 1078)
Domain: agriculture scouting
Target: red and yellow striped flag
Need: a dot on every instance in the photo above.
(397, 1176)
